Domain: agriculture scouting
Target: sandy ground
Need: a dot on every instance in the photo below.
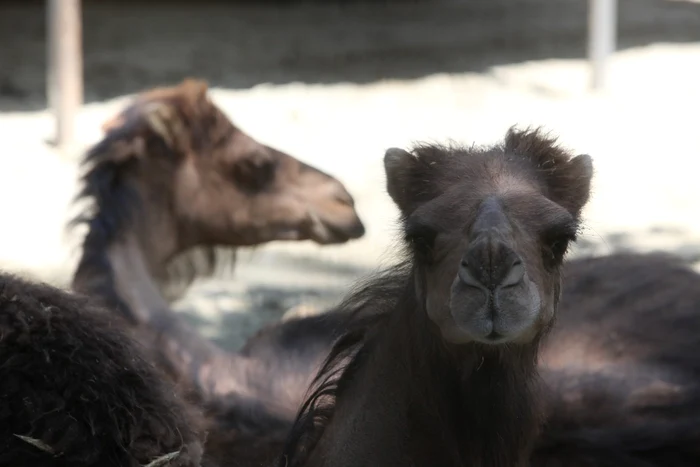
(336, 87)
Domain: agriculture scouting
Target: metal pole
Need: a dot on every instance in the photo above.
(602, 37)
(50, 56)
(65, 67)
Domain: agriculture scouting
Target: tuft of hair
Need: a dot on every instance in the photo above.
(76, 390)
(366, 307)
(110, 206)
(566, 177)
(427, 170)
(541, 147)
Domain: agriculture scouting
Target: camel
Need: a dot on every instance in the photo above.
(173, 178)
(619, 370)
(173, 175)
(449, 375)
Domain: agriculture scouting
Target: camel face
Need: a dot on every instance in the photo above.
(217, 185)
(491, 228)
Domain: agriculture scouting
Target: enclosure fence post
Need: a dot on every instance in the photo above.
(602, 38)
(65, 68)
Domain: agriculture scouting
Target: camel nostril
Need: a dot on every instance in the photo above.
(514, 274)
(469, 276)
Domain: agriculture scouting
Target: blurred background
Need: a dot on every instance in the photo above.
(335, 83)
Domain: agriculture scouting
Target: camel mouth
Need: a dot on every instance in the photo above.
(495, 337)
(493, 316)
(325, 232)
(288, 235)
(318, 231)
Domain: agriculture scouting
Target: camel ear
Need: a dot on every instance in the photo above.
(569, 178)
(127, 132)
(194, 89)
(399, 166)
(112, 123)
(163, 120)
(574, 182)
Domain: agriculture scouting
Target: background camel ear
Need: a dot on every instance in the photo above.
(127, 132)
(398, 166)
(112, 123)
(194, 89)
(163, 120)
(194, 94)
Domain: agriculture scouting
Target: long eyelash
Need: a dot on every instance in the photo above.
(555, 242)
(420, 243)
(554, 252)
(566, 232)
(421, 239)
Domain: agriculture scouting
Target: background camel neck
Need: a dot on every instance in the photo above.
(209, 373)
(133, 280)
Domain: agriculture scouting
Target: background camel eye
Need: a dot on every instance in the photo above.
(223, 140)
(254, 174)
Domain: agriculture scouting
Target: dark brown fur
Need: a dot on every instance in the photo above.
(70, 378)
(622, 368)
(398, 393)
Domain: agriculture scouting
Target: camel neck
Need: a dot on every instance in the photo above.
(412, 400)
(114, 269)
(118, 274)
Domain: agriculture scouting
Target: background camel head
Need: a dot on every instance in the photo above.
(218, 185)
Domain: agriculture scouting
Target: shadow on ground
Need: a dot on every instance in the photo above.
(257, 306)
(242, 310)
(131, 46)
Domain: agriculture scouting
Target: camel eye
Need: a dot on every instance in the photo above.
(558, 249)
(254, 174)
(555, 242)
(223, 140)
(421, 239)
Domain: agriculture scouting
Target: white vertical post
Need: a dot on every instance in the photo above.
(64, 67)
(602, 38)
